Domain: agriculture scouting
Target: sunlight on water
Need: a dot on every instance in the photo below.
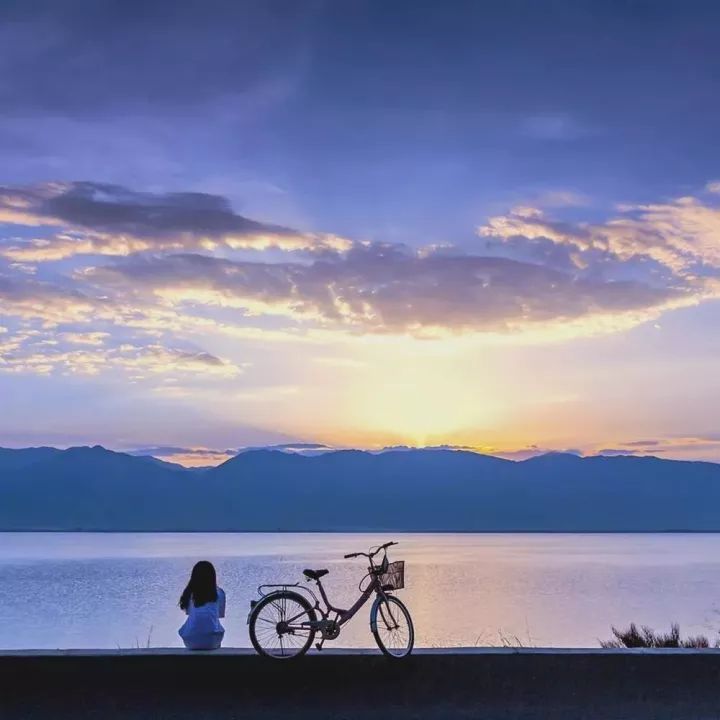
(69, 590)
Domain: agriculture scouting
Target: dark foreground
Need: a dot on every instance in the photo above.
(493, 684)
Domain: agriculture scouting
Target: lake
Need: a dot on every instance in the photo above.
(97, 590)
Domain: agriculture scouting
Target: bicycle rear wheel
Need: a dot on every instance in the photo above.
(392, 627)
(279, 625)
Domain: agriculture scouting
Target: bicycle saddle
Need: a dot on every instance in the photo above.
(315, 574)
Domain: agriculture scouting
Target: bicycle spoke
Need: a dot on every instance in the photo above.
(393, 628)
(279, 627)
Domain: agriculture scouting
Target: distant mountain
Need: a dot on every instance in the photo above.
(91, 488)
(16, 459)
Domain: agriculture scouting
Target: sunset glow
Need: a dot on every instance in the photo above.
(235, 248)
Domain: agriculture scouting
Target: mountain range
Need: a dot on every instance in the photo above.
(92, 488)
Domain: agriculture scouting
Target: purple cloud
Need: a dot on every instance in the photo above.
(99, 218)
(385, 288)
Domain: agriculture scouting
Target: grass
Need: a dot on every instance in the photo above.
(504, 639)
(138, 646)
(633, 636)
(645, 637)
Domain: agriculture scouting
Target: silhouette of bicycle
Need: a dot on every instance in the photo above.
(284, 622)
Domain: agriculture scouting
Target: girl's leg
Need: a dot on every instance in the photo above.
(205, 642)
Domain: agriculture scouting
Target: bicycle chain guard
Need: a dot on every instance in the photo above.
(330, 629)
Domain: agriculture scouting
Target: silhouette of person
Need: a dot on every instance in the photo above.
(204, 604)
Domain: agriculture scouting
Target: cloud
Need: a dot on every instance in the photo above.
(103, 219)
(32, 351)
(28, 298)
(202, 457)
(293, 448)
(85, 338)
(617, 451)
(679, 447)
(531, 451)
(533, 273)
(385, 289)
(678, 239)
(68, 312)
(189, 457)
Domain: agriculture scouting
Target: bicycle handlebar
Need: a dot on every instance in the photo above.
(370, 554)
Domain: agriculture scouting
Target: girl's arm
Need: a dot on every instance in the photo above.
(221, 602)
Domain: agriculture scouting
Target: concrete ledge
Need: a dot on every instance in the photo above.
(345, 652)
(497, 683)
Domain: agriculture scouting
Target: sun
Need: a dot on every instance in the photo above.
(423, 399)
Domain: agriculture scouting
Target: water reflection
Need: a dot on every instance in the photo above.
(121, 590)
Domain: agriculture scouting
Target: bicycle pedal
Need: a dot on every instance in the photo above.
(318, 645)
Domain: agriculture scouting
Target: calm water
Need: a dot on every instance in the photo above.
(72, 590)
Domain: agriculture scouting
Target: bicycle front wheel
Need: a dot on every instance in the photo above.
(282, 625)
(392, 627)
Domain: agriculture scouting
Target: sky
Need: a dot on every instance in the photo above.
(492, 225)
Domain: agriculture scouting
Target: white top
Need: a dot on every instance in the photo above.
(204, 620)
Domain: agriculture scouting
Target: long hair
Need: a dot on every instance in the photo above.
(202, 587)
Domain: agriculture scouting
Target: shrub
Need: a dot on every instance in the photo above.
(645, 637)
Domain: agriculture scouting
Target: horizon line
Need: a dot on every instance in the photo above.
(316, 449)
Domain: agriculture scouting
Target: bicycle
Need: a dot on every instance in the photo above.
(284, 622)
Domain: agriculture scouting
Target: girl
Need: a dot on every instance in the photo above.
(204, 604)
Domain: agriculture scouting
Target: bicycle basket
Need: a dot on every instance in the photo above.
(394, 577)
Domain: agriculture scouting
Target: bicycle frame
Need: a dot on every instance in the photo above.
(342, 616)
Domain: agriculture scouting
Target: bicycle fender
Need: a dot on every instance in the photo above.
(253, 603)
(373, 614)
